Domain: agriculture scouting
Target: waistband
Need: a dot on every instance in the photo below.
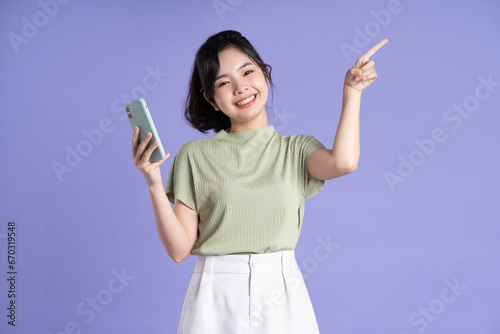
(243, 264)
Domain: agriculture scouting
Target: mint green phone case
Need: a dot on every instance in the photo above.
(138, 115)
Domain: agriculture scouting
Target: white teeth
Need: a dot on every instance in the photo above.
(245, 101)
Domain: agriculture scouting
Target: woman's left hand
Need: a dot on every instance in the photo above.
(363, 73)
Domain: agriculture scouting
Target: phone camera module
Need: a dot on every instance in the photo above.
(130, 112)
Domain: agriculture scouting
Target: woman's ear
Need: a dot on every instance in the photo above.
(216, 107)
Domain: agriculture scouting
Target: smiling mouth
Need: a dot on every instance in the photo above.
(245, 101)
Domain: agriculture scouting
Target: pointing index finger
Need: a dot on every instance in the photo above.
(375, 48)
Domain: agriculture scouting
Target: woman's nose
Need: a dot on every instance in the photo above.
(240, 87)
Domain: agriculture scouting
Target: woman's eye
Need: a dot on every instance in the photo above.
(248, 72)
(223, 83)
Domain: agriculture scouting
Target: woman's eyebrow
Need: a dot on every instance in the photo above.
(239, 68)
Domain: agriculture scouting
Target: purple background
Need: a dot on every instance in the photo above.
(393, 249)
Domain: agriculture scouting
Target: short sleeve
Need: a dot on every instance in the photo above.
(180, 181)
(311, 186)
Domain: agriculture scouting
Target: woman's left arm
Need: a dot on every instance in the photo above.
(342, 159)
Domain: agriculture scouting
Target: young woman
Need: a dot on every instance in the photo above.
(238, 196)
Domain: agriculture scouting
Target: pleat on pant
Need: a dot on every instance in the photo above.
(247, 294)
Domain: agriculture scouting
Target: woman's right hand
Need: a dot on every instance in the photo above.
(151, 171)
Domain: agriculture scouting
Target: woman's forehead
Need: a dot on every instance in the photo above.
(232, 58)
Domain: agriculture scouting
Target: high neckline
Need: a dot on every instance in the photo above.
(264, 129)
(244, 136)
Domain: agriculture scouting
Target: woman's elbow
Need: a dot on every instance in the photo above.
(178, 258)
(347, 167)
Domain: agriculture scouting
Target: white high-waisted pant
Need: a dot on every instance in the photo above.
(247, 294)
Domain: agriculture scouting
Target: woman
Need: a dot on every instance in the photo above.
(239, 195)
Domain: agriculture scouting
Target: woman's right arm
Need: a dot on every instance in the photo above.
(176, 227)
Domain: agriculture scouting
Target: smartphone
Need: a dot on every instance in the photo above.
(138, 115)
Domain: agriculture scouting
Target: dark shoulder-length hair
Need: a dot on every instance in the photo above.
(198, 111)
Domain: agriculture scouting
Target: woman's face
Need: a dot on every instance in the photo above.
(240, 88)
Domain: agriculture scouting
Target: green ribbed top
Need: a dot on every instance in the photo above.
(248, 189)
